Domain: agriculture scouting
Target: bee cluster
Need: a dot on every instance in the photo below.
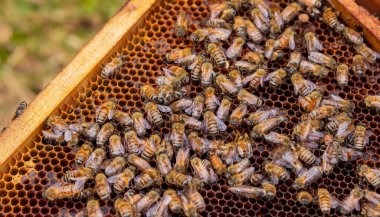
(117, 165)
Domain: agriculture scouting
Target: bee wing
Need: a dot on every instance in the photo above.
(269, 76)
(112, 179)
(274, 180)
(310, 85)
(145, 123)
(292, 43)
(110, 114)
(336, 98)
(193, 64)
(335, 203)
(376, 104)
(222, 126)
(262, 81)
(189, 109)
(167, 72)
(184, 59)
(79, 184)
(342, 129)
(68, 136)
(318, 44)
(163, 108)
(248, 78)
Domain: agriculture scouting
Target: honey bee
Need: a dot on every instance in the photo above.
(179, 56)
(286, 39)
(148, 178)
(262, 114)
(336, 121)
(189, 208)
(321, 58)
(352, 201)
(256, 178)
(260, 21)
(122, 117)
(83, 153)
(276, 24)
(228, 153)
(370, 210)
(253, 32)
(195, 197)
(217, 34)
(248, 191)
(199, 36)
(57, 124)
(358, 65)
(342, 74)
(132, 142)
(277, 173)
(175, 204)
(20, 109)
(182, 24)
(270, 190)
(93, 209)
(198, 144)
(181, 104)
(352, 35)
(211, 100)
(218, 23)
(182, 160)
(104, 133)
(331, 19)
(311, 101)
(344, 130)
(361, 137)
(168, 80)
(116, 147)
(262, 6)
(122, 180)
(235, 48)
(178, 72)
(290, 12)
(326, 201)
(248, 98)
(323, 112)
(253, 57)
(226, 85)
(199, 169)
(308, 177)
(349, 154)
(242, 177)
(372, 197)
(71, 137)
(228, 14)
(140, 124)
(111, 69)
(264, 127)
(124, 208)
(256, 78)
(78, 174)
(196, 108)
(371, 175)
(269, 49)
(105, 111)
(116, 165)
(239, 28)
(177, 178)
(163, 163)
(367, 53)
(51, 137)
(95, 159)
(302, 86)
(217, 8)
(195, 67)
(275, 78)
(217, 164)
(304, 154)
(224, 109)
(277, 138)
(244, 66)
(72, 190)
(160, 208)
(238, 167)
(167, 94)
(140, 163)
(190, 122)
(218, 55)
(284, 157)
(208, 74)
(311, 42)
(238, 114)
(149, 93)
(331, 155)
(154, 113)
(244, 146)
(102, 187)
(294, 62)
(90, 130)
(147, 201)
(372, 102)
(304, 197)
(178, 135)
(212, 124)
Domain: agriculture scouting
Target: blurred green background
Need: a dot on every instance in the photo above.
(38, 38)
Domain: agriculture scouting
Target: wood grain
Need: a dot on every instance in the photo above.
(88, 61)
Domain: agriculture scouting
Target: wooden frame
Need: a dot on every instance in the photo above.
(21, 131)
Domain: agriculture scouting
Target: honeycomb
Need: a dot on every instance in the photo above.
(40, 165)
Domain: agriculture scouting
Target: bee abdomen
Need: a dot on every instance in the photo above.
(374, 179)
(307, 157)
(157, 118)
